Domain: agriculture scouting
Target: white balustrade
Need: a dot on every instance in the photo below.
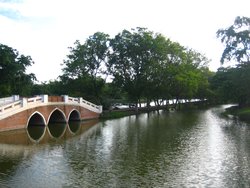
(10, 106)
(45, 98)
(85, 104)
(12, 103)
(7, 100)
(66, 98)
(24, 102)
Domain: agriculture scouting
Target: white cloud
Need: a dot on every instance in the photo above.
(47, 28)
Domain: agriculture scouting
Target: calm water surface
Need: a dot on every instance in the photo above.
(179, 149)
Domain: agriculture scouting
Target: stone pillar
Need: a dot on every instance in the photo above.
(45, 98)
(100, 108)
(15, 98)
(80, 100)
(24, 102)
(66, 98)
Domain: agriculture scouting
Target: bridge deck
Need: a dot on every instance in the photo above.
(11, 105)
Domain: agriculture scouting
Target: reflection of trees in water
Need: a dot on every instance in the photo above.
(128, 145)
(19, 137)
(16, 147)
(8, 166)
(88, 131)
(13, 155)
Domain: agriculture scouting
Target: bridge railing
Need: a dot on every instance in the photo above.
(8, 100)
(13, 104)
(10, 106)
(84, 103)
(37, 99)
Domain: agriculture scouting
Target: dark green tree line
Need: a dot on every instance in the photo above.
(13, 77)
(232, 83)
(144, 65)
(85, 66)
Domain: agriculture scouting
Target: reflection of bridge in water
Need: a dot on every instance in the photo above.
(52, 112)
(26, 137)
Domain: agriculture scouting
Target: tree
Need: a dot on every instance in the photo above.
(87, 62)
(237, 41)
(144, 66)
(158, 84)
(13, 77)
(149, 66)
(130, 60)
(186, 73)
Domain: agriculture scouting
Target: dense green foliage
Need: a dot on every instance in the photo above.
(13, 79)
(237, 41)
(232, 83)
(143, 66)
(138, 65)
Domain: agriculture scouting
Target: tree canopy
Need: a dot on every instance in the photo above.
(13, 77)
(143, 64)
(233, 83)
(237, 41)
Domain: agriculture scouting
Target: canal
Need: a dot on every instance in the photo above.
(198, 148)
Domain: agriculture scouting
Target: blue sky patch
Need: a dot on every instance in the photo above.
(10, 1)
(11, 14)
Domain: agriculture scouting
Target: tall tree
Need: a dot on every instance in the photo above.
(13, 77)
(237, 47)
(87, 62)
(130, 60)
(237, 41)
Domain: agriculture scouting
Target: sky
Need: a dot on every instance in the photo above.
(44, 29)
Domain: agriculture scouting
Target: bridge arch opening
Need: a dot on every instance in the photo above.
(57, 116)
(36, 126)
(74, 121)
(74, 115)
(57, 123)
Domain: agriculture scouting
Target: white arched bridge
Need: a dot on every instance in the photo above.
(18, 113)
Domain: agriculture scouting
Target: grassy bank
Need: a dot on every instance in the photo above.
(242, 113)
(116, 114)
(112, 114)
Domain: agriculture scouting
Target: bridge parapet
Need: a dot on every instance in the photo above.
(10, 106)
(8, 100)
(80, 101)
(13, 105)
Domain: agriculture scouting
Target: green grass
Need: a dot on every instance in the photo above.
(115, 114)
(242, 113)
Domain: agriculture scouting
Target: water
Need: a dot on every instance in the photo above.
(179, 149)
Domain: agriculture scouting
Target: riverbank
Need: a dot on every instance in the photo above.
(118, 113)
(242, 113)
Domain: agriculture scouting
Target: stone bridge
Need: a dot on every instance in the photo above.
(18, 113)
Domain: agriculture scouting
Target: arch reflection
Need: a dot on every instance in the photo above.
(74, 126)
(74, 116)
(36, 127)
(57, 124)
(42, 135)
